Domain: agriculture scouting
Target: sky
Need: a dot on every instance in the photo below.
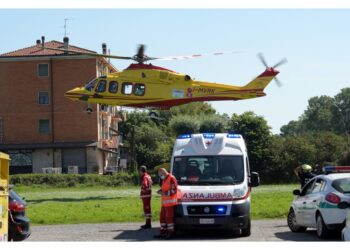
(315, 42)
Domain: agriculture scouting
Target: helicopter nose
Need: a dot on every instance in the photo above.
(73, 94)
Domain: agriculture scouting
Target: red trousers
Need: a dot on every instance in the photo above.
(167, 221)
(147, 208)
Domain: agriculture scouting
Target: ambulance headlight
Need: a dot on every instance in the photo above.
(238, 193)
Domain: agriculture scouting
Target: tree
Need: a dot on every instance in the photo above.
(184, 124)
(153, 147)
(191, 109)
(318, 115)
(257, 135)
(341, 111)
(294, 151)
(213, 124)
(330, 148)
(293, 128)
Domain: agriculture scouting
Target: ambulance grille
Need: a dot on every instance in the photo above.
(206, 210)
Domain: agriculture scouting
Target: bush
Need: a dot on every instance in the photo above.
(75, 180)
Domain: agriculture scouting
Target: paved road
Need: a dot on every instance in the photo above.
(262, 230)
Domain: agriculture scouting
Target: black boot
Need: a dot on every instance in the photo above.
(147, 225)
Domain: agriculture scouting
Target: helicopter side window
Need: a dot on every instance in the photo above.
(113, 87)
(91, 85)
(127, 88)
(101, 87)
(139, 89)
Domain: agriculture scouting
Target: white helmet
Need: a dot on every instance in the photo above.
(306, 168)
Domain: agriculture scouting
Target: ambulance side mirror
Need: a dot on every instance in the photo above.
(296, 192)
(254, 179)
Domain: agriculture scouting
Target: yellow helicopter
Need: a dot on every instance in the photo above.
(144, 85)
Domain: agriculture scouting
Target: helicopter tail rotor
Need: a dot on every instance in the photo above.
(273, 68)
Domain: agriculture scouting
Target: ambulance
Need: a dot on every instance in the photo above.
(214, 182)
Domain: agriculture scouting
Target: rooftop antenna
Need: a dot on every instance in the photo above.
(65, 26)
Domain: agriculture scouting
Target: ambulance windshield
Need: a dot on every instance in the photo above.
(209, 170)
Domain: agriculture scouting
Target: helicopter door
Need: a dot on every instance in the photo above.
(164, 76)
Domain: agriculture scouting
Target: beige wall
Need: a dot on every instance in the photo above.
(42, 158)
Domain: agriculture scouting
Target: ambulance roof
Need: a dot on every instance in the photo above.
(209, 144)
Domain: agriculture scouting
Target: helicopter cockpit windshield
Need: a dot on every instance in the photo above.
(91, 85)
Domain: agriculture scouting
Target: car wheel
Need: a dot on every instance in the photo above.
(322, 230)
(292, 223)
(245, 232)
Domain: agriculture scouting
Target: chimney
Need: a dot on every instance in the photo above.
(104, 48)
(43, 40)
(65, 44)
(38, 42)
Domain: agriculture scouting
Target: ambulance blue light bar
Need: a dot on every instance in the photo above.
(209, 135)
(233, 136)
(184, 136)
(336, 169)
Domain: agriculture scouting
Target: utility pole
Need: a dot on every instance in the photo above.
(133, 161)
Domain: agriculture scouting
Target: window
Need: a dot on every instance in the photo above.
(127, 88)
(44, 126)
(342, 185)
(213, 170)
(308, 188)
(139, 89)
(44, 98)
(113, 87)
(91, 85)
(101, 87)
(43, 69)
(318, 186)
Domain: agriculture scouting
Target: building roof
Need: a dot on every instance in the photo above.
(36, 50)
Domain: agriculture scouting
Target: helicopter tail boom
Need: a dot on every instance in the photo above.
(260, 82)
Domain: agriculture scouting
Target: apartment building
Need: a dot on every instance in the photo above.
(42, 130)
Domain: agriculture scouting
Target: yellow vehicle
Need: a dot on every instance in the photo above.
(147, 86)
(4, 189)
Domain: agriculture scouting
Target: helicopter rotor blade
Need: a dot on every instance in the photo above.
(278, 82)
(141, 51)
(88, 53)
(283, 61)
(262, 59)
(170, 58)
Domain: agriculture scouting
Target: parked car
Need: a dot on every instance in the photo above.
(19, 224)
(345, 233)
(316, 205)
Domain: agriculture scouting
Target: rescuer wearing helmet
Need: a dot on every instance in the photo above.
(168, 192)
(145, 195)
(304, 173)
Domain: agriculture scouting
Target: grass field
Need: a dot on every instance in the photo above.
(102, 204)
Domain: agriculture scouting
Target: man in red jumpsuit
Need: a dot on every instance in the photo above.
(168, 192)
(145, 195)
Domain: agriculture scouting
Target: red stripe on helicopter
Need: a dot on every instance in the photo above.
(175, 102)
(269, 72)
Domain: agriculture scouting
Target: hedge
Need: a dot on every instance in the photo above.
(77, 180)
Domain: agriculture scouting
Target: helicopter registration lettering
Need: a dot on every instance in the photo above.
(203, 90)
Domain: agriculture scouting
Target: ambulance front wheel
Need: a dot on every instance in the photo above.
(245, 232)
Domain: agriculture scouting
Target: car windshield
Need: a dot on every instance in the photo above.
(13, 196)
(91, 85)
(208, 170)
(342, 185)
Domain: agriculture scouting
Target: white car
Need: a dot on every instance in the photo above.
(345, 234)
(316, 205)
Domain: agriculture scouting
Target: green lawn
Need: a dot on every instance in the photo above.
(103, 204)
